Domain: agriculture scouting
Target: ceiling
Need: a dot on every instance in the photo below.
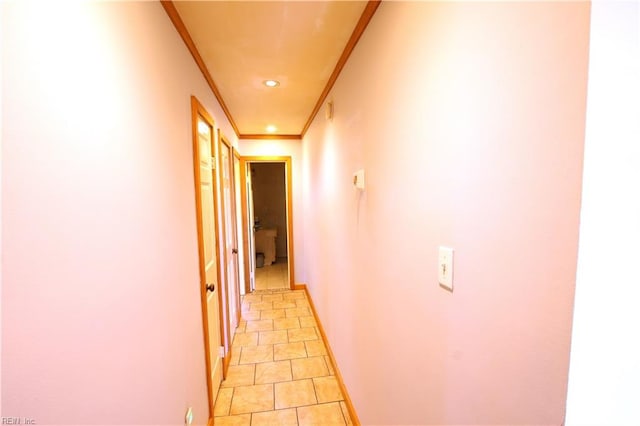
(239, 45)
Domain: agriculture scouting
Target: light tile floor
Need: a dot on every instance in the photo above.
(280, 373)
(274, 276)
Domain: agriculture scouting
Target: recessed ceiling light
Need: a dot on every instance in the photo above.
(271, 83)
(271, 128)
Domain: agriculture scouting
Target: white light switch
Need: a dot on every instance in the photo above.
(188, 417)
(445, 267)
(358, 179)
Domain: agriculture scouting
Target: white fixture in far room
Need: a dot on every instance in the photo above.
(445, 267)
(358, 179)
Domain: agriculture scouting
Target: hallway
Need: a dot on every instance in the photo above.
(505, 133)
(280, 373)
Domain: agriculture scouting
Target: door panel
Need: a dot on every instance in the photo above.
(208, 252)
(209, 249)
(208, 214)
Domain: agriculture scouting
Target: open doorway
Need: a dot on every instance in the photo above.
(270, 225)
(267, 223)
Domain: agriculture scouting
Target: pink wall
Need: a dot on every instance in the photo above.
(293, 149)
(468, 119)
(101, 318)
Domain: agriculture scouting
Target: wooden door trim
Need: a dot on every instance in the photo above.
(222, 259)
(245, 220)
(367, 14)
(234, 156)
(177, 22)
(197, 110)
(289, 193)
(232, 190)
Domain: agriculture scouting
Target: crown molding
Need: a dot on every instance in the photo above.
(269, 136)
(171, 10)
(366, 16)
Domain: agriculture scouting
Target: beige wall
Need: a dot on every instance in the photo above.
(468, 119)
(101, 318)
(269, 200)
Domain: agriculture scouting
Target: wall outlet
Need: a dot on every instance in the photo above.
(188, 417)
(445, 267)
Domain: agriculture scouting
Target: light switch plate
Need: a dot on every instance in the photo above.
(358, 179)
(445, 267)
(188, 417)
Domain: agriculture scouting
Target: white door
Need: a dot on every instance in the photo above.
(230, 244)
(251, 231)
(207, 185)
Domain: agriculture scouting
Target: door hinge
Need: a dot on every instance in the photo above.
(221, 351)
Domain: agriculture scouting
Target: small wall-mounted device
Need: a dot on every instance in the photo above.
(445, 267)
(188, 417)
(358, 179)
(328, 111)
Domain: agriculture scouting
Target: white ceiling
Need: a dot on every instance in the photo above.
(243, 43)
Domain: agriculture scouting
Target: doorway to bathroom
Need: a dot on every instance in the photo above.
(267, 222)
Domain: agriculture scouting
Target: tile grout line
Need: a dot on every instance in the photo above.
(291, 368)
(319, 403)
(255, 373)
(233, 391)
(273, 388)
(327, 365)
(342, 412)
(313, 385)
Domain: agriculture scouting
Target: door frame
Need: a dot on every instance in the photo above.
(198, 110)
(240, 230)
(244, 160)
(222, 259)
(234, 223)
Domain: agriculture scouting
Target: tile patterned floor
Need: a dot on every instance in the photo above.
(274, 276)
(280, 373)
